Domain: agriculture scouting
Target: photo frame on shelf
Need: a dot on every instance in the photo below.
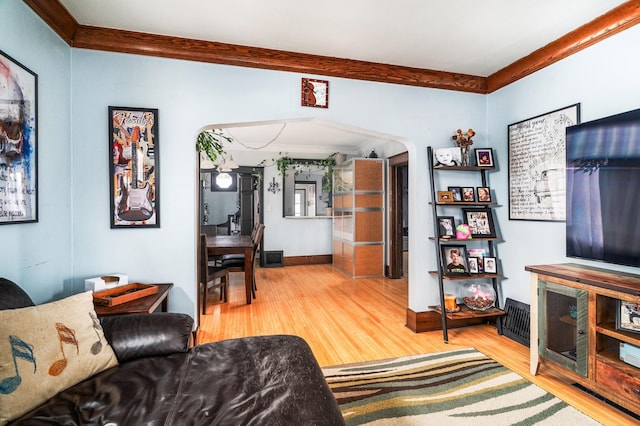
(483, 194)
(446, 227)
(628, 316)
(480, 221)
(133, 165)
(490, 265)
(447, 156)
(19, 190)
(445, 197)
(468, 194)
(457, 193)
(454, 260)
(477, 253)
(537, 169)
(473, 265)
(484, 157)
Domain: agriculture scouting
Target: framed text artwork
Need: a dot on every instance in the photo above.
(537, 181)
(134, 177)
(18, 142)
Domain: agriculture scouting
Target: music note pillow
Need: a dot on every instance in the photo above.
(48, 348)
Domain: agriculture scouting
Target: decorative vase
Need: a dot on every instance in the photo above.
(478, 296)
(465, 155)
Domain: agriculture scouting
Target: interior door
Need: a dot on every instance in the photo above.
(246, 194)
(398, 214)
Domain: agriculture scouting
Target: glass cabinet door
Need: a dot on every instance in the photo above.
(563, 314)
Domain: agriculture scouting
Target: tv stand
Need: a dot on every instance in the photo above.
(577, 330)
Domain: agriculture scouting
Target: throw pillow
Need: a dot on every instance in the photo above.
(48, 348)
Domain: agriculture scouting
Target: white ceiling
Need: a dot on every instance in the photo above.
(462, 36)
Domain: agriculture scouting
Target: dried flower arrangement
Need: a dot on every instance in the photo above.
(464, 141)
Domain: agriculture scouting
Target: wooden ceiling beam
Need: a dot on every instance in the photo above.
(618, 19)
(253, 57)
(60, 20)
(56, 16)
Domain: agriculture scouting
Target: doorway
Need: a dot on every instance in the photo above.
(230, 202)
(398, 215)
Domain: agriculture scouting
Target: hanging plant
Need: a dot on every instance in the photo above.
(210, 142)
(328, 164)
(284, 162)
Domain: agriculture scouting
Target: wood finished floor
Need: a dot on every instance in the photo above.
(346, 320)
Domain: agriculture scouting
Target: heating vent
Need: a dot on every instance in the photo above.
(516, 321)
(273, 259)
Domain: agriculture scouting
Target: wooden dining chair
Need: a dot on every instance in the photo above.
(237, 264)
(254, 231)
(211, 277)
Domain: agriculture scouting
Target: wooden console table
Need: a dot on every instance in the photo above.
(144, 305)
(575, 332)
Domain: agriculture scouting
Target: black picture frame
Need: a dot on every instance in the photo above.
(449, 268)
(446, 227)
(480, 221)
(457, 193)
(483, 194)
(537, 169)
(484, 157)
(626, 312)
(19, 191)
(473, 265)
(134, 167)
(490, 265)
(468, 194)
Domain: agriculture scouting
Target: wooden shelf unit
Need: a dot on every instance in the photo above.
(437, 207)
(607, 374)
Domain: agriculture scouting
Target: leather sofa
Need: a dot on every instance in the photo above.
(161, 380)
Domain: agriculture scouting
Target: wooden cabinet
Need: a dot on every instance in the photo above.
(358, 217)
(475, 177)
(599, 338)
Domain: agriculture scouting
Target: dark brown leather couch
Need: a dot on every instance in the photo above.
(264, 380)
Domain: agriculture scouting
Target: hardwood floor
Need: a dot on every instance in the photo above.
(346, 320)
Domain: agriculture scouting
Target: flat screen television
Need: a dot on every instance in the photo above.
(603, 189)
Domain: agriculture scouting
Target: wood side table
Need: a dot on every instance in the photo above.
(144, 305)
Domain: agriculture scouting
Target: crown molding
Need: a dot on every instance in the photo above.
(81, 36)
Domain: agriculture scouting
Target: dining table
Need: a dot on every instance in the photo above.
(235, 244)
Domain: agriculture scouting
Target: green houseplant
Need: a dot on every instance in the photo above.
(211, 143)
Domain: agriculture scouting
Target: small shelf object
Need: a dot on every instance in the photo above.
(473, 207)
(123, 294)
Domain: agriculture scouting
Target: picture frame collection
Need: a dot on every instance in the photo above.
(452, 157)
(458, 260)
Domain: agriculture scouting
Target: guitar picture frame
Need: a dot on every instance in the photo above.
(133, 167)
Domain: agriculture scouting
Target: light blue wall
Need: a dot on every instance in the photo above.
(604, 80)
(192, 95)
(39, 255)
(73, 240)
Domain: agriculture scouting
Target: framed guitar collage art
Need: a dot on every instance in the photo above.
(134, 167)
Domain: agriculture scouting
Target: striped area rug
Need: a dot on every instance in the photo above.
(462, 387)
